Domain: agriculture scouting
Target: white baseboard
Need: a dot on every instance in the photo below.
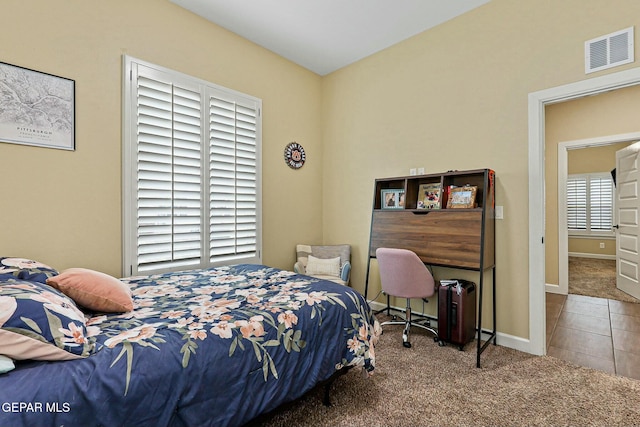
(516, 343)
(595, 256)
(553, 289)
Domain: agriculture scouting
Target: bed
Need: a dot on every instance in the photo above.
(212, 347)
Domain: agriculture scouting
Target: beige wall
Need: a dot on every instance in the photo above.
(455, 97)
(64, 208)
(610, 113)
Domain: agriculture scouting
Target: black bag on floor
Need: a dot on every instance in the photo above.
(457, 311)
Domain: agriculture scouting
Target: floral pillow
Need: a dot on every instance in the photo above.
(25, 269)
(41, 323)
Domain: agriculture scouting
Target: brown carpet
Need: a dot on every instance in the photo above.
(428, 385)
(595, 278)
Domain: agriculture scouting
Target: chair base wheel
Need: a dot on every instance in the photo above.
(407, 344)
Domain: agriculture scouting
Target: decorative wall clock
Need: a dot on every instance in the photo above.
(294, 155)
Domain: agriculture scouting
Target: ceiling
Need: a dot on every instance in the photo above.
(326, 35)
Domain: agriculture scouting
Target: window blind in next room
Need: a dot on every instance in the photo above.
(590, 203)
(191, 172)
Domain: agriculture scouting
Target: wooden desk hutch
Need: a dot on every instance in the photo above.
(457, 237)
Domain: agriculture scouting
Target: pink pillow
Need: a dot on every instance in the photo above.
(93, 290)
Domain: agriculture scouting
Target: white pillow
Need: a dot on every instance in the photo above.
(320, 266)
(6, 364)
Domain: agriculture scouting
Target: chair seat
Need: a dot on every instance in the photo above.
(330, 278)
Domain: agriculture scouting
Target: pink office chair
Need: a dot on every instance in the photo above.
(404, 275)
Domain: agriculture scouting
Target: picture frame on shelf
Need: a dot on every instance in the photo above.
(429, 196)
(392, 199)
(462, 197)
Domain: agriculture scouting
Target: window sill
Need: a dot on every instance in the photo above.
(604, 236)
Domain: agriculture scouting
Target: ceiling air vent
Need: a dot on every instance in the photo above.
(609, 51)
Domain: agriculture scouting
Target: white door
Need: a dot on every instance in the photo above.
(627, 213)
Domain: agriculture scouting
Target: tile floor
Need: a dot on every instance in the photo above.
(600, 333)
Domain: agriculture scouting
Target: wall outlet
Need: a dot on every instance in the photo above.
(420, 171)
(412, 171)
(601, 245)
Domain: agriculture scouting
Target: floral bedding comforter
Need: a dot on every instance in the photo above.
(213, 347)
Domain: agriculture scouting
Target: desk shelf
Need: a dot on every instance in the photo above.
(449, 237)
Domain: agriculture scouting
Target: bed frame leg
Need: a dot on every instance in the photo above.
(326, 401)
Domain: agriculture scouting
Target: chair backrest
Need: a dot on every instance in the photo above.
(319, 251)
(403, 274)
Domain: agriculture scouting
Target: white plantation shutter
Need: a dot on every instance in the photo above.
(577, 203)
(601, 207)
(191, 178)
(590, 203)
(169, 178)
(233, 189)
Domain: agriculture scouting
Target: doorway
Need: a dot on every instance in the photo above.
(588, 156)
(586, 326)
(537, 103)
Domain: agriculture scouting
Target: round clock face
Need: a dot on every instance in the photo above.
(294, 155)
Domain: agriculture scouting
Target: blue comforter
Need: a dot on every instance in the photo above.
(214, 347)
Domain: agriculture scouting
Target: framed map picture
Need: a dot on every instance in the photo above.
(36, 108)
(429, 196)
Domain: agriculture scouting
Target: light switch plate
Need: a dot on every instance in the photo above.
(499, 212)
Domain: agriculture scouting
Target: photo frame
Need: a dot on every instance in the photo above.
(392, 199)
(462, 197)
(429, 196)
(52, 123)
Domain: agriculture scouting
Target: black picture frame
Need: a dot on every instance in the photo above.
(36, 108)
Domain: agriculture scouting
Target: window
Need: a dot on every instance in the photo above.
(191, 172)
(590, 203)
